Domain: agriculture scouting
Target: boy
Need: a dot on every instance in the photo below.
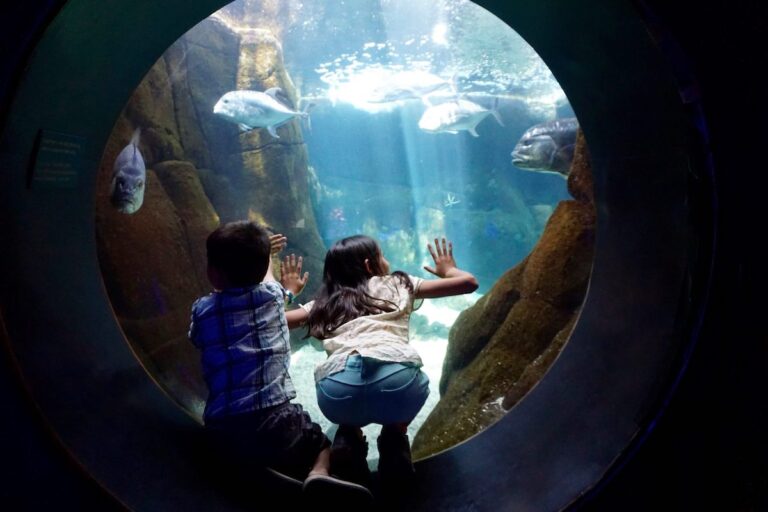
(241, 331)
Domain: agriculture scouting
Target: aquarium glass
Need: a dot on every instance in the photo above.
(401, 117)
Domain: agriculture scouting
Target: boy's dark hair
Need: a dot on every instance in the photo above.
(343, 295)
(240, 251)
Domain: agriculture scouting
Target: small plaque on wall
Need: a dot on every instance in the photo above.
(56, 163)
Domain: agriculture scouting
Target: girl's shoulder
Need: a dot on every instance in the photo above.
(386, 285)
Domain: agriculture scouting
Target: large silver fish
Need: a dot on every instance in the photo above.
(547, 147)
(129, 177)
(455, 116)
(255, 109)
(405, 85)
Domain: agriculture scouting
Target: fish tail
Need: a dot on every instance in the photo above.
(308, 107)
(305, 114)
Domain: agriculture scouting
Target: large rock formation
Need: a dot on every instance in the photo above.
(274, 172)
(499, 348)
(200, 170)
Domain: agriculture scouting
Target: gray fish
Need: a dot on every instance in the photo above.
(255, 109)
(129, 176)
(547, 147)
(455, 116)
(406, 85)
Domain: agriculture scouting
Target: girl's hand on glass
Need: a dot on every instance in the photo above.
(443, 258)
(290, 274)
(277, 243)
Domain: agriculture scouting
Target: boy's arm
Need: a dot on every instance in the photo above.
(454, 280)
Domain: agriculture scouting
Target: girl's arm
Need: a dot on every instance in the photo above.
(454, 281)
(292, 280)
(296, 317)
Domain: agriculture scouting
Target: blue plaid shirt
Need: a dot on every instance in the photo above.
(243, 336)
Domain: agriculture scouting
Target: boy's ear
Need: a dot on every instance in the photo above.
(216, 278)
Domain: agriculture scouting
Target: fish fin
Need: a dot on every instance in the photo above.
(244, 127)
(136, 136)
(473, 131)
(495, 111)
(273, 131)
(279, 96)
(497, 116)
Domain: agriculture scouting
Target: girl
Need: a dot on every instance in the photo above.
(372, 374)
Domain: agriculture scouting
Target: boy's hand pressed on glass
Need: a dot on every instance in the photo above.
(454, 281)
(277, 243)
(290, 274)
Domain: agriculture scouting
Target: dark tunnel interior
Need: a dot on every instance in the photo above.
(655, 402)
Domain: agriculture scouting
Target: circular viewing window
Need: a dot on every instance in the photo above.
(401, 120)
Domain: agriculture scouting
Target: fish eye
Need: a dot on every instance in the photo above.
(225, 101)
(140, 183)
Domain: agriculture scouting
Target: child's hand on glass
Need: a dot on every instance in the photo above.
(277, 243)
(290, 274)
(443, 258)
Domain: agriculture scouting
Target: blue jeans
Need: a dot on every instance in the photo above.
(372, 391)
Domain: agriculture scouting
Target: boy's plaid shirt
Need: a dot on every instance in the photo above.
(243, 336)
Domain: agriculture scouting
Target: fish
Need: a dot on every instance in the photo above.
(256, 109)
(547, 147)
(406, 85)
(129, 177)
(455, 116)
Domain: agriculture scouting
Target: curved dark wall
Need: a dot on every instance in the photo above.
(709, 450)
(738, 282)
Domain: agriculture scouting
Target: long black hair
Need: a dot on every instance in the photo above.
(344, 293)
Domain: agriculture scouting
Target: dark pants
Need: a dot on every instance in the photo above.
(282, 437)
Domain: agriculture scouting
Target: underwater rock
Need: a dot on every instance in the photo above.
(580, 180)
(222, 195)
(483, 320)
(203, 66)
(198, 218)
(150, 274)
(153, 262)
(499, 348)
(145, 257)
(274, 173)
(151, 108)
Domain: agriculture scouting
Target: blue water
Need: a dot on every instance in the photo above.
(376, 172)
